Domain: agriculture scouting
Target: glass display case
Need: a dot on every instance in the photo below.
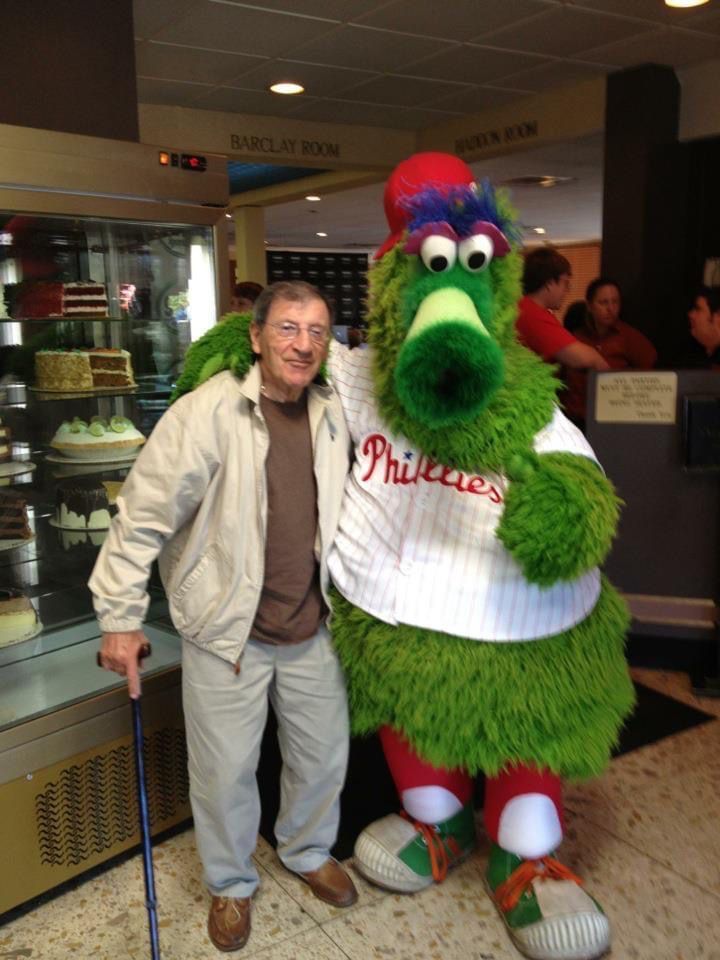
(150, 284)
(108, 291)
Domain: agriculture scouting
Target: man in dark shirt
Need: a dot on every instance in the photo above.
(239, 490)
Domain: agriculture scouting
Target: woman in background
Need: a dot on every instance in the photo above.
(622, 346)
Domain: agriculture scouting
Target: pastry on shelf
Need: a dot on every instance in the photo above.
(83, 503)
(5, 437)
(101, 368)
(100, 439)
(18, 618)
(14, 528)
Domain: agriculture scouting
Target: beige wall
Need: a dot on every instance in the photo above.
(585, 262)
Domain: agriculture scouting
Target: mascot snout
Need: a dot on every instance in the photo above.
(449, 367)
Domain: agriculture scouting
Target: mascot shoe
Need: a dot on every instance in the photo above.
(405, 855)
(546, 911)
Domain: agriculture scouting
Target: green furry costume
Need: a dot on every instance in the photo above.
(559, 702)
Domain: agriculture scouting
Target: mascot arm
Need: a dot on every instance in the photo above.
(560, 516)
(226, 346)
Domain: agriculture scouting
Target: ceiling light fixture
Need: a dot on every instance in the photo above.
(547, 180)
(312, 198)
(288, 89)
(538, 230)
(684, 3)
(320, 233)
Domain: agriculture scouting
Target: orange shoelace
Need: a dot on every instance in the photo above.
(508, 894)
(439, 862)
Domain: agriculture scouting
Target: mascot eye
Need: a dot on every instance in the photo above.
(476, 252)
(438, 253)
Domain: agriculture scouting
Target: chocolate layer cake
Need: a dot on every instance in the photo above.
(18, 619)
(13, 517)
(82, 503)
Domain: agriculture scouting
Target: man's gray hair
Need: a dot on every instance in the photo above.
(297, 291)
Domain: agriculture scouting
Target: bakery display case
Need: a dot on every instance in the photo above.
(100, 294)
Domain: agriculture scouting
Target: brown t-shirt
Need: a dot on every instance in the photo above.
(291, 604)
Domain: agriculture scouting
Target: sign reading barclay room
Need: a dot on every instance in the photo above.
(283, 146)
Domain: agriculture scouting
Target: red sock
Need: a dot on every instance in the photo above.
(512, 782)
(409, 770)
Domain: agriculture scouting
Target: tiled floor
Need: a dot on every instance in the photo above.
(646, 837)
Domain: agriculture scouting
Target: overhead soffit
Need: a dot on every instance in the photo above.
(399, 64)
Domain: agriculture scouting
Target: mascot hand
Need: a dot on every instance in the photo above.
(560, 516)
(226, 346)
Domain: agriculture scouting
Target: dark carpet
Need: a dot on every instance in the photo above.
(369, 790)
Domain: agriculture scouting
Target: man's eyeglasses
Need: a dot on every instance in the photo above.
(287, 330)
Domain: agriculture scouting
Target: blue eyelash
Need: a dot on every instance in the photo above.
(459, 206)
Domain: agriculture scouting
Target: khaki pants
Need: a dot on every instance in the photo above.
(225, 717)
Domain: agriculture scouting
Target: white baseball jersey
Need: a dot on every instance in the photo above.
(416, 542)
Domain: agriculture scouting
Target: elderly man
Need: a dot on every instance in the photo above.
(238, 492)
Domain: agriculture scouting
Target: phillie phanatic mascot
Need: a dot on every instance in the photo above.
(474, 628)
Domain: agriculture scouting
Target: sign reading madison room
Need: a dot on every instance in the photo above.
(283, 146)
(501, 136)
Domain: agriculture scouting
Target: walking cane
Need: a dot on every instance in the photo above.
(149, 875)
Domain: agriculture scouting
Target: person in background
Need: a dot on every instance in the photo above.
(546, 281)
(575, 316)
(244, 296)
(238, 492)
(621, 346)
(704, 317)
(356, 338)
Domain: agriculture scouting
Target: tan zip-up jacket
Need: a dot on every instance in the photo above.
(196, 498)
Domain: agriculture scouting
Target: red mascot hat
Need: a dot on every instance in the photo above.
(417, 173)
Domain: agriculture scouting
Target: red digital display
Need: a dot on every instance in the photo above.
(191, 161)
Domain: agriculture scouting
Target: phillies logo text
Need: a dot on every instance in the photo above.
(412, 469)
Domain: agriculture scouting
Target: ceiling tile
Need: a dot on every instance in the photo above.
(564, 31)
(149, 17)
(458, 20)
(654, 10)
(400, 91)
(676, 48)
(220, 26)
(342, 111)
(319, 81)
(704, 19)
(557, 73)
(474, 64)
(233, 100)
(168, 92)
(360, 47)
(471, 100)
(338, 10)
(173, 62)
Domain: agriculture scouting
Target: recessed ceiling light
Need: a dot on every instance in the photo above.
(312, 198)
(538, 229)
(320, 233)
(287, 88)
(537, 181)
(685, 3)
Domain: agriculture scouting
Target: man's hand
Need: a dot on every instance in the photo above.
(122, 652)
